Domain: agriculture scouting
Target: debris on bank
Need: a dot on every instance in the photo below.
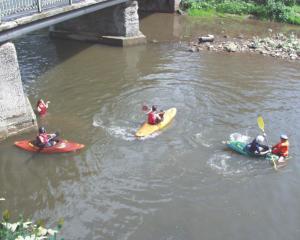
(277, 45)
(208, 38)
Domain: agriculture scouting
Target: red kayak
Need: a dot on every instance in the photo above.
(60, 147)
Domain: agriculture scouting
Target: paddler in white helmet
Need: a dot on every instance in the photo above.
(258, 147)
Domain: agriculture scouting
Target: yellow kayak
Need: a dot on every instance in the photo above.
(147, 129)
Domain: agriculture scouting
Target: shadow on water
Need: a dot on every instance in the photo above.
(42, 53)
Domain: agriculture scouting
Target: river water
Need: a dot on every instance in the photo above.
(181, 183)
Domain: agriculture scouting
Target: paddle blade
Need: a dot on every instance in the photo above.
(260, 122)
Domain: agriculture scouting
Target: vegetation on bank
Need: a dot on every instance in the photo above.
(26, 230)
(287, 11)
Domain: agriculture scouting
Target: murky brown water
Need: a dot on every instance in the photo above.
(181, 183)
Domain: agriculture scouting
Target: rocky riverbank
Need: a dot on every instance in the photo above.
(276, 45)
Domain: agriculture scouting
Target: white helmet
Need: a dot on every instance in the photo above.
(283, 136)
(260, 139)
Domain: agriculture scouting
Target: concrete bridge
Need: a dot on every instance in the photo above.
(114, 22)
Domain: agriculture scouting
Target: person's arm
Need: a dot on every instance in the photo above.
(265, 152)
(157, 116)
(276, 146)
(41, 140)
(46, 104)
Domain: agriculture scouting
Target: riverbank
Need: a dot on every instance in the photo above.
(276, 45)
(287, 11)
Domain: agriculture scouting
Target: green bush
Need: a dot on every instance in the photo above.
(235, 7)
(22, 230)
(294, 17)
(289, 2)
(285, 2)
(276, 10)
(186, 4)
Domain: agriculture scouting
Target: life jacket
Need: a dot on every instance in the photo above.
(152, 118)
(281, 149)
(43, 138)
(42, 108)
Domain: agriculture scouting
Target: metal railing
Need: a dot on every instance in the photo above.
(9, 8)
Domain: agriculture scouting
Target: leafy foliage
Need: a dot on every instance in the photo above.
(25, 230)
(236, 7)
(277, 10)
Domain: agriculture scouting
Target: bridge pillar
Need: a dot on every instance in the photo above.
(16, 114)
(167, 6)
(117, 25)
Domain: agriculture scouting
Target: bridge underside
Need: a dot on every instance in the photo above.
(116, 25)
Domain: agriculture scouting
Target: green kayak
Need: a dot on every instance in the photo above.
(241, 148)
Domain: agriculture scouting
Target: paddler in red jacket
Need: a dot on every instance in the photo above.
(281, 149)
(154, 117)
(44, 139)
(42, 107)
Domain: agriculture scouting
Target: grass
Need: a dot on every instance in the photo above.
(209, 13)
(274, 10)
(202, 12)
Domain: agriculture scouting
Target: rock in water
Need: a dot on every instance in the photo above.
(230, 47)
(208, 38)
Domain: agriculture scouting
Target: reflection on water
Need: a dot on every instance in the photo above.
(179, 184)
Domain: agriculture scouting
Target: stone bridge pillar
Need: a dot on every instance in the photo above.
(167, 6)
(16, 113)
(117, 25)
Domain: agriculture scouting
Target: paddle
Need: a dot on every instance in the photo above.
(261, 125)
(54, 135)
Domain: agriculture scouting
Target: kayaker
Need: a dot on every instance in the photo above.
(154, 117)
(281, 149)
(44, 139)
(42, 107)
(257, 147)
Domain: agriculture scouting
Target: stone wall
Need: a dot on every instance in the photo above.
(120, 21)
(16, 113)
(159, 5)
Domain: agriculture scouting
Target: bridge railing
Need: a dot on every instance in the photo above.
(17, 8)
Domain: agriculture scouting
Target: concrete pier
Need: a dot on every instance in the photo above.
(117, 25)
(16, 114)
